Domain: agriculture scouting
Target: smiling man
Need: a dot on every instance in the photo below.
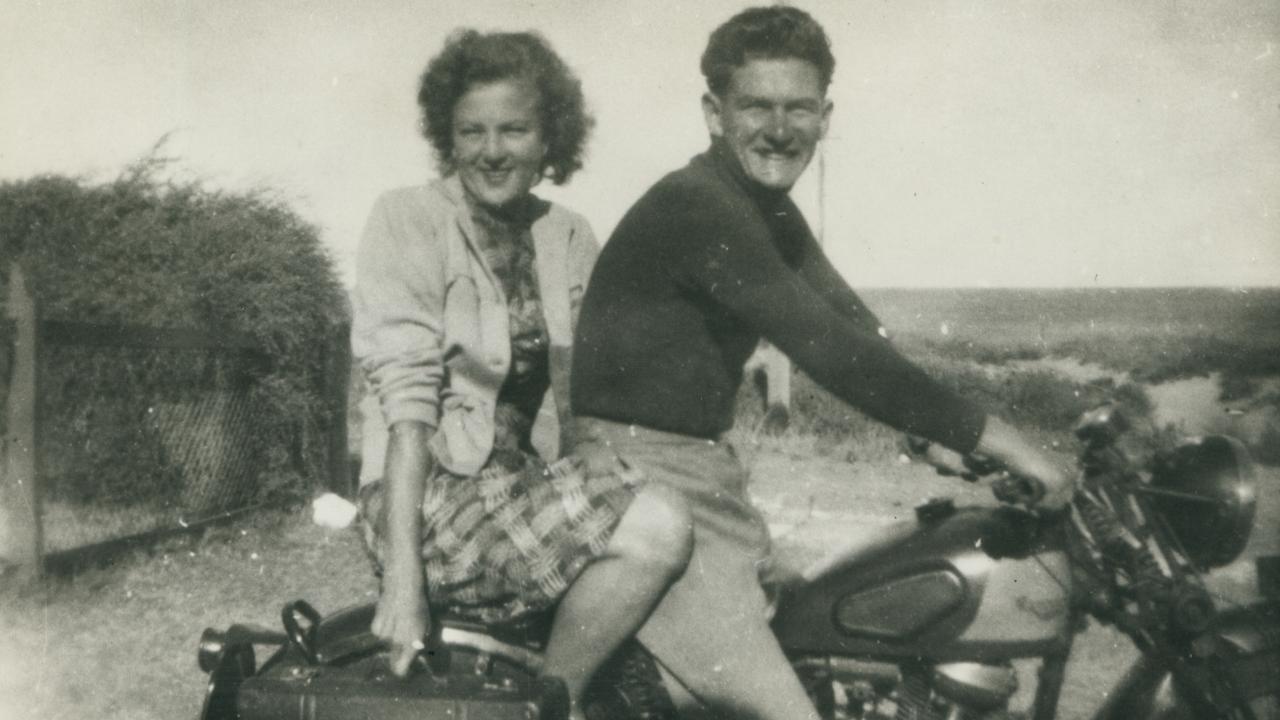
(712, 258)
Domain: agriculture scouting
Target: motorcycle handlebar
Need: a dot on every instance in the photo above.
(1018, 490)
(1008, 487)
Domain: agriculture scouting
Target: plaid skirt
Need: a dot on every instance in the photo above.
(510, 540)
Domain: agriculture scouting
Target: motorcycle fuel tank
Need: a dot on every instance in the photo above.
(949, 585)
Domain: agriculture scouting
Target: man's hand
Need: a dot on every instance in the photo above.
(1005, 445)
(402, 618)
(944, 460)
(950, 463)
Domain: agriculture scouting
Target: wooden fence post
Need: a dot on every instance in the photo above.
(21, 530)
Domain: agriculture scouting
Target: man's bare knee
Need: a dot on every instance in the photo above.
(656, 530)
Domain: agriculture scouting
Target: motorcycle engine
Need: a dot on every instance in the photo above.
(955, 690)
(974, 685)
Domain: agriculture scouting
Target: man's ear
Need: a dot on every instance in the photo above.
(827, 107)
(711, 112)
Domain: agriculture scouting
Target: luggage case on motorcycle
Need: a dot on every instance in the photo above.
(336, 670)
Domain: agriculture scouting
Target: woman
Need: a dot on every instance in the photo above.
(467, 291)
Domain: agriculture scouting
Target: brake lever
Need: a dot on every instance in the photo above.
(1018, 490)
(980, 466)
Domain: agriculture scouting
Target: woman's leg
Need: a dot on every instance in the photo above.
(752, 680)
(615, 593)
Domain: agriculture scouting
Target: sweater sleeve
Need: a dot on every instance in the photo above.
(817, 270)
(398, 309)
(728, 255)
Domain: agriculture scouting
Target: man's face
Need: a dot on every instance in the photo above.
(772, 116)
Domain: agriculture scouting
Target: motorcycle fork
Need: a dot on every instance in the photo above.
(1134, 696)
(1053, 670)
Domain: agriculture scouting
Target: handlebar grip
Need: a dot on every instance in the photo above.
(980, 466)
(1018, 490)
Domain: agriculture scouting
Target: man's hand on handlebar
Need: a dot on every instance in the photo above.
(944, 460)
(1035, 478)
(949, 463)
(1031, 477)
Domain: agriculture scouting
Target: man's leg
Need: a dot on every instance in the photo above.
(710, 631)
(710, 628)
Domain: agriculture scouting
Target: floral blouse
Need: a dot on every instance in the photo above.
(507, 244)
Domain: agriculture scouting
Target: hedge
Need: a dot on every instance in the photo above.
(145, 250)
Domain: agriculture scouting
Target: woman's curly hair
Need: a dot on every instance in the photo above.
(470, 58)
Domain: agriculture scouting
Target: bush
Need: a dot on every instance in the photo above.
(1042, 401)
(141, 250)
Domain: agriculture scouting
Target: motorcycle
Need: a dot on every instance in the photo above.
(926, 620)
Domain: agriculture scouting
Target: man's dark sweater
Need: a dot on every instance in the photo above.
(695, 273)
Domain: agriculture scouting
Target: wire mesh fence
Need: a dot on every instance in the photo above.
(134, 439)
(119, 435)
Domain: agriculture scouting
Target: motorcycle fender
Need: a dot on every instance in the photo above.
(1252, 631)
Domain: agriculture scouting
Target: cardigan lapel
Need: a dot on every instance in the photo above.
(451, 186)
(550, 241)
(549, 247)
(551, 234)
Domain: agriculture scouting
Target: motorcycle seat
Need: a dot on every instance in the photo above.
(346, 632)
(530, 631)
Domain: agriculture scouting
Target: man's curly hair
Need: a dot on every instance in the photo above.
(470, 58)
(766, 33)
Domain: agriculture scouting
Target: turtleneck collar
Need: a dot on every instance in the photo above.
(726, 163)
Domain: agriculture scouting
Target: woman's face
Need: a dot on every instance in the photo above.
(497, 141)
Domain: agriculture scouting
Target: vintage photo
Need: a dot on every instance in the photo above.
(651, 360)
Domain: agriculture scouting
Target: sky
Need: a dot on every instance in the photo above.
(1000, 144)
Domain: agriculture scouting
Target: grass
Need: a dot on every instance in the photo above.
(119, 641)
(73, 525)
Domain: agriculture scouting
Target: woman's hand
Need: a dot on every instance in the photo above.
(1004, 444)
(402, 617)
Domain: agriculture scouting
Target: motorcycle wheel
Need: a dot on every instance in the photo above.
(1179, 706)
(1264, 708)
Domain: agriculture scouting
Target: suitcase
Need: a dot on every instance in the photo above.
(335, 669)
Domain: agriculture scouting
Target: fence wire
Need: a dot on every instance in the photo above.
(134, 440)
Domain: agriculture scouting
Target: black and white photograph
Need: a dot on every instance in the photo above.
(666, 360)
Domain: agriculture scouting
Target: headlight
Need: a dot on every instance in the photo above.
(1204, 490)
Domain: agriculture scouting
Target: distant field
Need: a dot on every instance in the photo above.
(1152, 333)
(1041, 357)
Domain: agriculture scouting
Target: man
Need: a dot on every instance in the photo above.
(712, 258)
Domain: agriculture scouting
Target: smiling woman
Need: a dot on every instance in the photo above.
(468, 68)
(467, 293)
(498, 148)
